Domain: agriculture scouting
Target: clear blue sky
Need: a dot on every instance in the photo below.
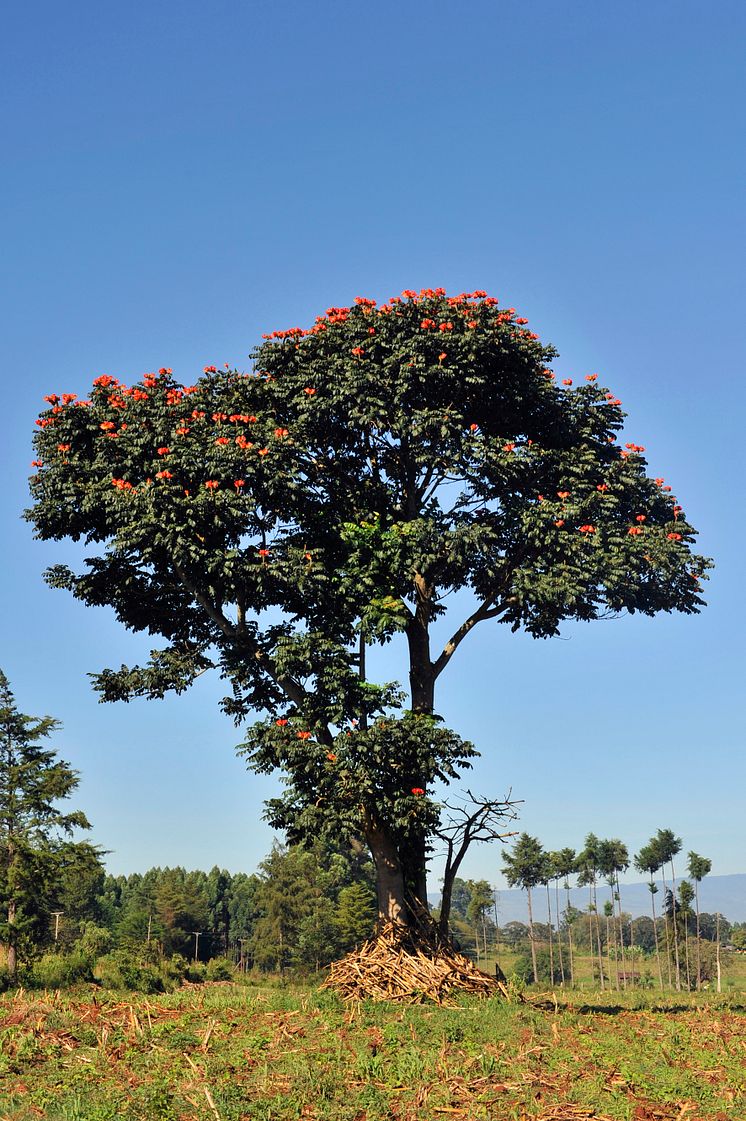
(180, 177)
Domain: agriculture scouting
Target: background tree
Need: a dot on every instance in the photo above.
(481, 903)
(588, 865)
(698, 867)
(686, 898)
(668, 845)
(272, 525)
(565, 862)
(524, 867)
(648, 860)
(36, 855)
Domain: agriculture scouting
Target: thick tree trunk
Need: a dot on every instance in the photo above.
(390, 887)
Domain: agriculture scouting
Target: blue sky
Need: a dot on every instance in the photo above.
(180, 178)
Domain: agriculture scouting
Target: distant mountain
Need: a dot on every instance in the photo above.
(726, 894)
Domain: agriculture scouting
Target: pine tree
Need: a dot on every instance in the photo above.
(34, 833)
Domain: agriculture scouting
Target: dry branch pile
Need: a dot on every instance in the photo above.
(393, 967)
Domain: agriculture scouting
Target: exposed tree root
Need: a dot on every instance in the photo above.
(398, 965)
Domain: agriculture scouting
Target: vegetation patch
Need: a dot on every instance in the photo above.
(225, 1052)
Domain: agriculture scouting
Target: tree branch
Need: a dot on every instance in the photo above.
(486, 610)
(290, 687)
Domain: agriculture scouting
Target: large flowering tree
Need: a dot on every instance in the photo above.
(275, 524)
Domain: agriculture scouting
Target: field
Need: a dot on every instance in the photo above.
(229, 1052)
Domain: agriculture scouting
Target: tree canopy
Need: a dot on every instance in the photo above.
(274, 523)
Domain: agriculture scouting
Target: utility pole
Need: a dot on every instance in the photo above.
(56, 915)
(196, 934)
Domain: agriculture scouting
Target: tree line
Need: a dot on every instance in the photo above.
(679, 932)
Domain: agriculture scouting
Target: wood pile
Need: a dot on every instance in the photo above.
(394, 967)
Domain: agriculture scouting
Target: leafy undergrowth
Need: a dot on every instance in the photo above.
(225, 1052)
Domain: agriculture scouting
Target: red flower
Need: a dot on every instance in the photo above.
(280, 433)
(36, 463)
(417, 791)
(63, 447)
(161, 451)
(163, 475)
(471, 323)
(107, 425)
(52, 398)
(591, 377)
(442, 356)
(239, 483)
(105, 380)
(309, 390)
(634, 530)
(427, 323)
(212, 484)
(165, 370)
(304, 735)
(603, 487)
(264, 451)
(473, 427)
(563, 494)
(446, 326)
(222, 440)
(211, 369)
(182, 431)
(358, 351)
(263, 552)
(586, 529)
(673, 536)
(508, 447)
(559, 523)
(641, 518)
(281, 722)
(567, 381)
(219, 416)
(331, 757)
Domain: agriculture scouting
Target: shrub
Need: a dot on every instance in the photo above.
(220, 969)
(122, 970)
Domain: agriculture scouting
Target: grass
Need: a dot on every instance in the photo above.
(230, 1052)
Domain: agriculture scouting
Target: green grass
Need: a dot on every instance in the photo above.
(233, 1053)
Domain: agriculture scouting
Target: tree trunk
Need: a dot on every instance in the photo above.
(390, 890)
(655, 935)
(531, 938)
(699, 955)
(12, 956)
(675, 931)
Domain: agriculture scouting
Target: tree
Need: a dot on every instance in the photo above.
(273, 525)
(648, 860)
(473, 819)
(565, 862)
(481, 902)
(524, 867)
(36, 853)
(698, 867)
(667, 845)
(588, 866)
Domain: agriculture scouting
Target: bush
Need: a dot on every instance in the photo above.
(220, 969)
(523, 968)
(56, 971)
(122, 970)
